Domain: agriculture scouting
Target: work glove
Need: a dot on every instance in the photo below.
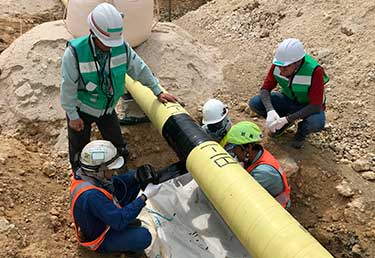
(278, 124)
(272, 116)
(151, 190)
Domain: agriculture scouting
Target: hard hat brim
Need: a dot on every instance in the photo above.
(111, 42)
(280, 63)
(118, 163)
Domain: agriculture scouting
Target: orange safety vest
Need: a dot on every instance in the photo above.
(76, 189)
(267, 159)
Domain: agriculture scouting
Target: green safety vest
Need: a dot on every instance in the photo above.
(298, 88)
(92, 98)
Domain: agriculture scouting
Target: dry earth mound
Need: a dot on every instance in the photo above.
(339, 35)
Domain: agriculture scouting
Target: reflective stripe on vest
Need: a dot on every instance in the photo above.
(76, 189)
(92, 111)
(121, 59)
(267, 159)
(297, 79)
(90, 67)
(87, 67)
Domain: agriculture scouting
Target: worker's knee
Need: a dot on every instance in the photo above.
(315, 122)
(256, 105)
(146, 239)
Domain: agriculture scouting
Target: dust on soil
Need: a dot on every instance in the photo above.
(335, 203)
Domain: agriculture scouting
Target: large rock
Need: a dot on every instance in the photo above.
(344, 189)
(30, 76)
(361, 165)
(5, 225)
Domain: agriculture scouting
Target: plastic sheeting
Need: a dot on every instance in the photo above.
(189, 226)
(137, 22)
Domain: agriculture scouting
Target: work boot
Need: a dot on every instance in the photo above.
(298, 141)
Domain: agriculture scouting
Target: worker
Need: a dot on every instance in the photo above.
(243, 139)
(105, 206)
(215, 120)
(302, 97)
(93, 76)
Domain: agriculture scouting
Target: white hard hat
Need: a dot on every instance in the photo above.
(106, 23)
(100, 153)
(289, 51)
(214, 111)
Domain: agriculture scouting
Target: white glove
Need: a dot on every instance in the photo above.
(151, 190)
(272, 116)
(278, 124)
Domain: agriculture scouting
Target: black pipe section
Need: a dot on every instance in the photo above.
(133, 120)
(183, 134)
(146, 174)
(172, 171)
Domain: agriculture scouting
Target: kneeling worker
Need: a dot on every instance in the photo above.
(243, 140)
(105, 207)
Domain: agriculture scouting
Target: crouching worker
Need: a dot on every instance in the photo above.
(215, 120)
(243, 141)
(105, 206)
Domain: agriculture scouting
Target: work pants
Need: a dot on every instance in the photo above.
(285, 106)
(109, 128)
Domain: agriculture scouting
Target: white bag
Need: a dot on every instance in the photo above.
(189, 226)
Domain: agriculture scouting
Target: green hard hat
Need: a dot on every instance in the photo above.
(244, 132)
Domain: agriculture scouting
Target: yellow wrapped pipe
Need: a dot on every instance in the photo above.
(262, 225)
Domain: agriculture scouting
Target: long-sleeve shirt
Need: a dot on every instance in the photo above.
(93, 210)
(137, 69)
(316, 94)
(267, 176)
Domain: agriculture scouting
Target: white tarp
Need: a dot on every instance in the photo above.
(189, 226)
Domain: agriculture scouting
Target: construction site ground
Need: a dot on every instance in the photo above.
(333, 188)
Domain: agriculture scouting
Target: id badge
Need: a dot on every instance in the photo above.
(91, 86)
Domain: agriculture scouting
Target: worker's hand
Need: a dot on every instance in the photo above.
(77, 124)
(272, 116)
(278, 124)
(151, 190)
(165, 97)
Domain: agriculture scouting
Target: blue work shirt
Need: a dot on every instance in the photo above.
(93, 210)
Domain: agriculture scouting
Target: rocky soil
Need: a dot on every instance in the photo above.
(231, 45)
(334, 191)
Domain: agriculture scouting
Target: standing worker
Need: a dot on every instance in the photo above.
(302, 97)
(105, 207)
(243, 140)
(93, 77)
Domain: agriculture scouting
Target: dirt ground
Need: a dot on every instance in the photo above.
(333, 193)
